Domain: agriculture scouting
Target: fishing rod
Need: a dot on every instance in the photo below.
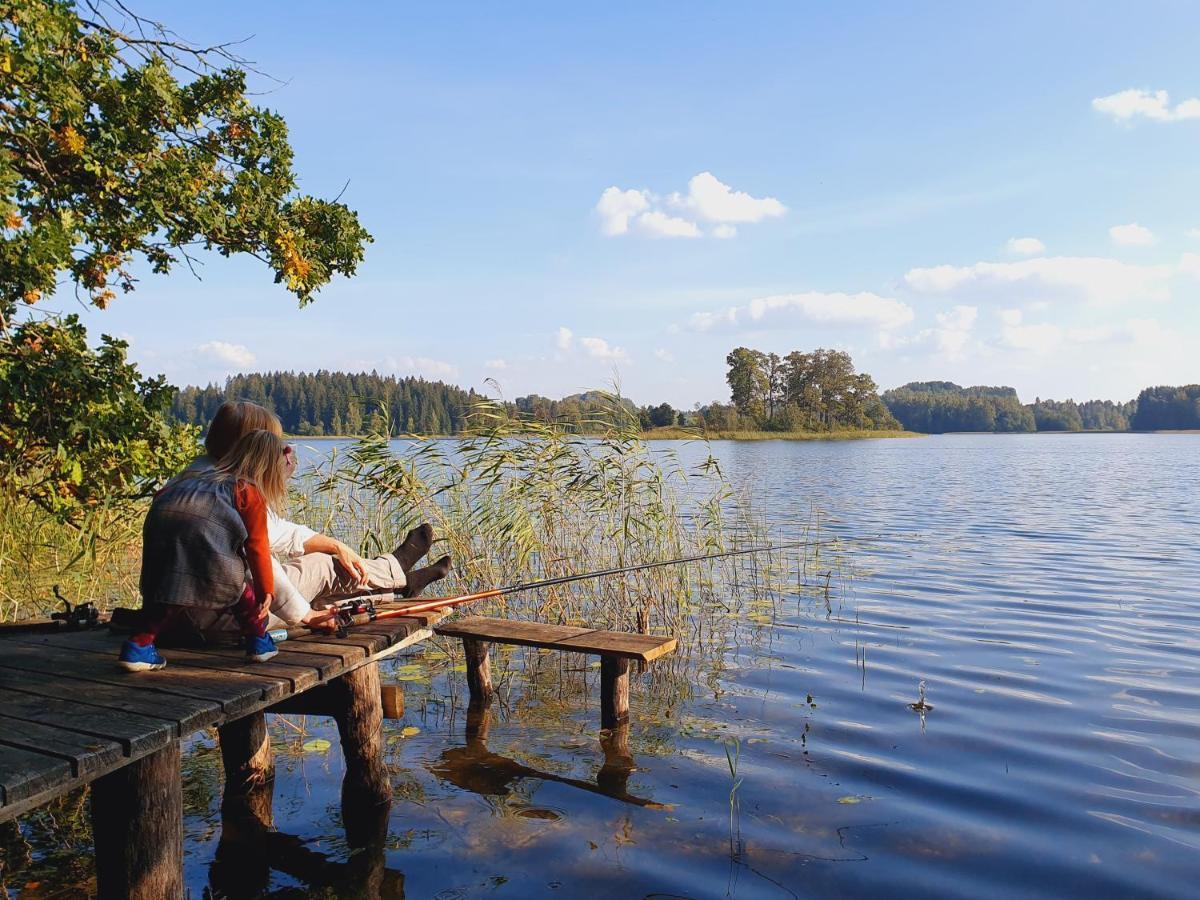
(353, 611)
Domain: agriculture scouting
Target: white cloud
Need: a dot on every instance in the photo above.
(707, 199)
(1193, 233)
(1131, 235)
(1040, 339)
(1026, 246)
(598, 348)
(664, 355)
(1094, 279)
(496, 365)
(1126, 105)
(616, 207)
(659, 224)
(714, 201)
(232, 354)
(826, 309)
(563, 339)
(421, 365)
(1189, 264)
(953, 330)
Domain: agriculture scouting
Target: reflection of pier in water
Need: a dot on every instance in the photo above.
(477, 769)
(250, 849)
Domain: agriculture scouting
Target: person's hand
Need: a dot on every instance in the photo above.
(354, 564)
(321, 619)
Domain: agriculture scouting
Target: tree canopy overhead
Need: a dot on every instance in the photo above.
(123, 147)
(118, 142)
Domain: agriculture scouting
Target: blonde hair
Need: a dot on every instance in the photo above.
(258, 458)
(234, 419)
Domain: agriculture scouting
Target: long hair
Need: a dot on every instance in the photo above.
(258, 458)
(234, 419)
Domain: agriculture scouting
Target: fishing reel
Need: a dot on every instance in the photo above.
(348, 609)
(76, 617)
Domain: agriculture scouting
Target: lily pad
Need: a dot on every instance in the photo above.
(316, 745)
(410, 730)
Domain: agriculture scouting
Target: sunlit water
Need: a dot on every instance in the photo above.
(1043, 587)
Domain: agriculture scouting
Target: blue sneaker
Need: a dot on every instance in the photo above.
(260, 649)
(135, 658)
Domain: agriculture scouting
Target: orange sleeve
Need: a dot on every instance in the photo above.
(253, 510)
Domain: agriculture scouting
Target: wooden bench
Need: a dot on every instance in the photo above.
(69, 717)
(615, 648)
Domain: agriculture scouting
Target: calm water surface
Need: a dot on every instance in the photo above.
(1044, 588)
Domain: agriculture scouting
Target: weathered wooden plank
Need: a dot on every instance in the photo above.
(85, 754)
(645, 647)
(136, 734)
(325, 665)
(188, 714)
(347, 653)
(368, 643)
(531, 634)
(273, 684)
(559, 637)
(289, 678)
(25, 774)
(235, 692)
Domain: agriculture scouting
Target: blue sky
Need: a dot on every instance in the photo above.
(987, 194)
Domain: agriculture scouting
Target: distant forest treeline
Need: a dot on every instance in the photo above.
(934, 407)
(818, 391)
(336, 402)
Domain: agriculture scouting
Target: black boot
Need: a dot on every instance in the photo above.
(416, 544)
(422, 578)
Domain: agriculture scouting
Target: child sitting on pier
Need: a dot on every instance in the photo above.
(205, 546)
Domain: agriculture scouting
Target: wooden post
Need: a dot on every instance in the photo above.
(479, 670)
(246, 753)
(359, 717)
(137, 828)
(614, 691)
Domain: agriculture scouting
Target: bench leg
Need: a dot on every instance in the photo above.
(137, 826)
(479, 670)
(614, 691)
(359, 716)
(246, 753)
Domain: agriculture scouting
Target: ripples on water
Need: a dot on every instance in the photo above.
(1042, 586)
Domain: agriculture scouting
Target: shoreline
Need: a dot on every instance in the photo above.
(667, 433)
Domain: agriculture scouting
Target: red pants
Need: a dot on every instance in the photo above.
(250, 615)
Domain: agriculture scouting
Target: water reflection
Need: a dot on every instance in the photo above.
(250, 849)
(475, 768)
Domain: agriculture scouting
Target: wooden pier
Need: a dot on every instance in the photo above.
(69, 716)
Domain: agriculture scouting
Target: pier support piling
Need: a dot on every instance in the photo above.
(137, 827)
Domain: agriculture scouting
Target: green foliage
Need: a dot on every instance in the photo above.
(817, 391)
(335, 402)
(1053, 415)
(940, 406)
(107, 155)
(80, 429)
(934, 407)
(1166, 407)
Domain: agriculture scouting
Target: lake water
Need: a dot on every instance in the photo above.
(1043, 587)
